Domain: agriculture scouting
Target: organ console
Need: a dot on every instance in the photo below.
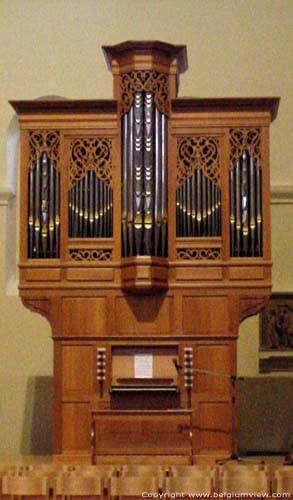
(145, 241)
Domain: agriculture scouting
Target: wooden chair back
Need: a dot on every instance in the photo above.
(25, 486)
(133, 470)
(187, 485)
(244, 481)
(78, 486)
(283, 481)
(132, 487)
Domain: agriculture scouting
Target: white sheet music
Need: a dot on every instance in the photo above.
(143, 366)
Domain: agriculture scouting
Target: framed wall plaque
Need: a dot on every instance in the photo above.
(276, 334)
(276, 323)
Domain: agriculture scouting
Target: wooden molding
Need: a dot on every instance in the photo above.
(65, 106)
(146, 47)
(234, 104)
(5, 195)
(282, 195)
(39, 306)
(249, 306)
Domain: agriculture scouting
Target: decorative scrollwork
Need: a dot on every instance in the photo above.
(198, 254)
(198, 152)
(90, 255)
(44, 141)
(91, 153)
(245, 139)
(149, 81)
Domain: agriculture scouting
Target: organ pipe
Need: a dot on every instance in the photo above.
(164, 187)
(124, 181)
(148, 172)
(138, 172)
(158, 180)
(51, 209)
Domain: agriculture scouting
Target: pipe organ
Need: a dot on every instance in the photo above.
(145, 241)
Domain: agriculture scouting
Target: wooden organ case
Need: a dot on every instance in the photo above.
(145, 240)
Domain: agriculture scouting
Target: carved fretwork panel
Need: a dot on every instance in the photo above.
(44, 141)
(190, 254)
(44, 195)
(91, 153)
(245, 139)
(198, 153)
(145, 81)
(90, 255)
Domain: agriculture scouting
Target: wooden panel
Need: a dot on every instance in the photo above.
(84, 316)
(198, 274)
(246, 273)
(76, 426)
(214, 426)
(213, 358)
(90, 274)
(142, 433)
(41, 274)
(206, 315)
(143, 315)
(77, 370)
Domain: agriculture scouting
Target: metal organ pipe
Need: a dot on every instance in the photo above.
(232, 210)
(37, 224)
(31, 228)
(244, 203)
(158, 205)
(51, 209)
(252, 206)
(163, 249)
(44, 203)
(91, 203)
(138, 172)
(258, 211)
(57, 214)
(238, 208)
(124, 181)
(148, 172)
(129, 168)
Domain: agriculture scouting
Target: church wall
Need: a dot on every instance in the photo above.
(52, 48)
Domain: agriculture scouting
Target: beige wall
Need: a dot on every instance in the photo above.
(282, 277)
(52, 47)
